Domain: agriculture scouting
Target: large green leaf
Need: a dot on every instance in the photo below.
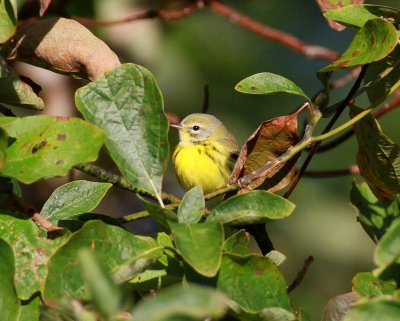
(47, 146)
(192, 206)
(381, 308)
(251, 208)
(127, 104)
(366, 284)
(8, 19)
(375, 216)
(191, 302)
(74, 198)
(31, 252)
(387, 251)
(358, 15)
(112, 245)
(374, 41)
(9, 303)
(200, 245)
(378, 157)
(269, 83)
(253, 281)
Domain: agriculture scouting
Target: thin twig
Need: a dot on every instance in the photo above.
(283, 38)
(353, 74)
(352, 170)
(121, 182)
(300, 276)
(339, 111)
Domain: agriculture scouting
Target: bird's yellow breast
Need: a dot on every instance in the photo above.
(204, 164)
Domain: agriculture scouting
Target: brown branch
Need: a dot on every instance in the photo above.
(300, 276)
(352, 170)
(36, 216)
(148, 14)
(283, 38)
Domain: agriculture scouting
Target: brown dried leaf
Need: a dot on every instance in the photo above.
(44, 4)
(334, 4)
(270, 140)
(336, 308)
(65, 46)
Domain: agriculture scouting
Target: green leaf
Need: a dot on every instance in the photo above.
(375, 216)
(3, 146)
(358, 15)
(105, 295)
(112, 245)
(31, 252)
(378, 157)
(191, 302)
(251, 208)
(267, 314)
(366, 284)
(268, 83)
(200, 245)
(377, 309)
(48, 146)
(8, 19)
(30, 310)
(127, 104)
(74, 198)
(373, 42)
(192, 206)
(253, 281)
(387, 250)
(378, 92)
(9, 303)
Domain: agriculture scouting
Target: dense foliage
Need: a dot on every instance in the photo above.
(63, 263)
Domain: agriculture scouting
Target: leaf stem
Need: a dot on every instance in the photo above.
(143, 214)
(342, 127)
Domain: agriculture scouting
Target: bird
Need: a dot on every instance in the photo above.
(206, 153)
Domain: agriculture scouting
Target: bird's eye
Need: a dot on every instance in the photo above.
(196, 128)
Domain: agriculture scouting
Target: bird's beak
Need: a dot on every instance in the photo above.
(177, 126)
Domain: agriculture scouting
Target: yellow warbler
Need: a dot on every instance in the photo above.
(206, 153)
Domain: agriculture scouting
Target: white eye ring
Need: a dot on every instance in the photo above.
(196, 128)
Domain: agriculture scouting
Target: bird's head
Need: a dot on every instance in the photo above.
(196, 128)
